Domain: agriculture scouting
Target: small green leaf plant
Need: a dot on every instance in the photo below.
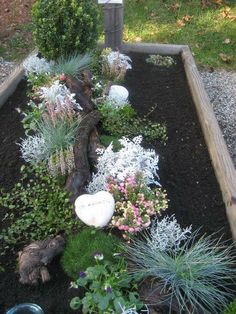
(161, 61)
(37, 207)
(108, 288)
(124, 121)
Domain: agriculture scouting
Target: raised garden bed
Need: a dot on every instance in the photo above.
(186, 168)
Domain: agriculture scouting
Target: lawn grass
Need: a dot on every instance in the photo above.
(18, 45)
(165, 21)
(185, 22)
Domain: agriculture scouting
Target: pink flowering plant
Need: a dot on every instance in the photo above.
(136, 203)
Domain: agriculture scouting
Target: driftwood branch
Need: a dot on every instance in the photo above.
(34, 258)
(79, 178)
(82, 90)
(94, 144)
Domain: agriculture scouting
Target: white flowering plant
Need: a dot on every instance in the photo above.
(130, 159)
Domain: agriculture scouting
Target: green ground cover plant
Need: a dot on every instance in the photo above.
(80, 250)
(37, 207)
(125, 122)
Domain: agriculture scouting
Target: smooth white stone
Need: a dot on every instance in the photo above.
(118, 94)
(95, 210)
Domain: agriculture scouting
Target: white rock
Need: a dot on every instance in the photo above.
(118, 95)
(95, 210)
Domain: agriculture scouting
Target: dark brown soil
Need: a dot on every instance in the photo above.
(185, 171)
(185, 167)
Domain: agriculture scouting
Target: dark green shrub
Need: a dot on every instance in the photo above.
(62, 27)
(78, 255)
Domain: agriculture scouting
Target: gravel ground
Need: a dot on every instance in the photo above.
(5, 69)
(221, 89)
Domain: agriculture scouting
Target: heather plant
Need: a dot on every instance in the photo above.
(125, 122)
(37, 207)
(109, 288)
(197, 275)
(130, 159)
(135, 203)
(81, 247)
(62, 162)
(114, 65)
(70, 26)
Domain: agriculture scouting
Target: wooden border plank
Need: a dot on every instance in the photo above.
(8, 87)
(163, 49)
(221, 160)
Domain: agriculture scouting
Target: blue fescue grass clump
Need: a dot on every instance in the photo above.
(197, 275)
(72, 64)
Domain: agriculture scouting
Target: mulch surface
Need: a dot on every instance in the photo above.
(14, 13)
(185, 171)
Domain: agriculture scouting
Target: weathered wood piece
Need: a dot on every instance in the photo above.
(8, 87)
(80, 177)
(221, 160)
(82, 91)
(94, 144)
(34, 258)
(162, 49)
(113, 20)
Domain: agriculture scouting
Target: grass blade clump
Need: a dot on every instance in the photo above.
(197, 275)
(57, 136)
(72, 64)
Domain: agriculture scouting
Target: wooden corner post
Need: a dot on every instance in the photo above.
(113, 23)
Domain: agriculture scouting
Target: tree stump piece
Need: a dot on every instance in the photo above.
(34, 258)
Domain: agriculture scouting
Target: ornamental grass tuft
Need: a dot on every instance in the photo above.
(72, 64)
(197, 276)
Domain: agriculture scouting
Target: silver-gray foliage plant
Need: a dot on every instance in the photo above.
(167, 234)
